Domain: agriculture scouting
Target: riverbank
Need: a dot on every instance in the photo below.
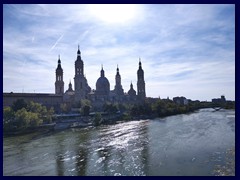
(40, 129)
(85, 121)
(181, 145)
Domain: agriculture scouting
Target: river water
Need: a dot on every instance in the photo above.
(181, 145)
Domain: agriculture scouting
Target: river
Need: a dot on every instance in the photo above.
(182, 145)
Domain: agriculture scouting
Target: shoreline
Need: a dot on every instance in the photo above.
(85, 121)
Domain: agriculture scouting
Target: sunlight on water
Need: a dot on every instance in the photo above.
(193, 144)
(120, 135)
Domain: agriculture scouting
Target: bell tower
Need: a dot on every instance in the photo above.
(80, 82)
(59, 84)
(118, 87)
(140, 83)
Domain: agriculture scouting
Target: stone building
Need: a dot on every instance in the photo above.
(180, 100)
(82, 90)
(102, 93)
(46, 99)
(219, 100)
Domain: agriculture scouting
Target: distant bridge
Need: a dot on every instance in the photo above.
(217, 108)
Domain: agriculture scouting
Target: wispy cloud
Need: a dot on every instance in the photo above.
(56, 42)
(185, 49)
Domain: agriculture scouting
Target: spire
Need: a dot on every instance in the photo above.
(78, 52)
(70, 86)
(102, 72)
(140, 64)
(117, 70)
(131, 85)
(59, 61)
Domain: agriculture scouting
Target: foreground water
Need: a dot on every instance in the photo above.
(192, 144)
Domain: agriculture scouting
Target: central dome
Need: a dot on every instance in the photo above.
(102, 85)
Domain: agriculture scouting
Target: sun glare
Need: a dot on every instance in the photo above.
(113, 13)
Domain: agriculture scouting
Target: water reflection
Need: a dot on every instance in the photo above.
(119, 149)
(182, 145)
(81, 161)
(60, 164)
(72, 153)
(60, 157)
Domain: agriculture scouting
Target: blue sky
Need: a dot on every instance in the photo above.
(186, 50)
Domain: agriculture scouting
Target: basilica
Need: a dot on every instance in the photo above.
(73, 97)
(102, 93)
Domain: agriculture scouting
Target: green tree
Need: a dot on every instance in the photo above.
(97, 120)
(110, 108)
(8, 118)
(134, 111)
(19, 104)
(122, 107)
(30, 117)
(64, 108)
(146, 109)
(8, 113)
(35, 120)
(85, 107)
(42, 112)
(22, 118)
(49, 117)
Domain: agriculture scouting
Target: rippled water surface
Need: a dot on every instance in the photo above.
(191, 144)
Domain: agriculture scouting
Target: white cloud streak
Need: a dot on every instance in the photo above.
(56, 42)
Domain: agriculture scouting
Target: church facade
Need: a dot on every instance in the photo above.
(102, 93)
(98, 96)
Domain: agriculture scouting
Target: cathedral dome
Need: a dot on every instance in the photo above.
(102, 85)
(70, 90)
(131, 92)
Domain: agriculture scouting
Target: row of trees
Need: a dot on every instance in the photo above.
(162, 108)
(22, 115)
(157, 108)
(83, 106)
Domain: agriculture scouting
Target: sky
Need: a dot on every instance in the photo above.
(186, 50)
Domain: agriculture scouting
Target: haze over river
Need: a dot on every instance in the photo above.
(188, 144)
